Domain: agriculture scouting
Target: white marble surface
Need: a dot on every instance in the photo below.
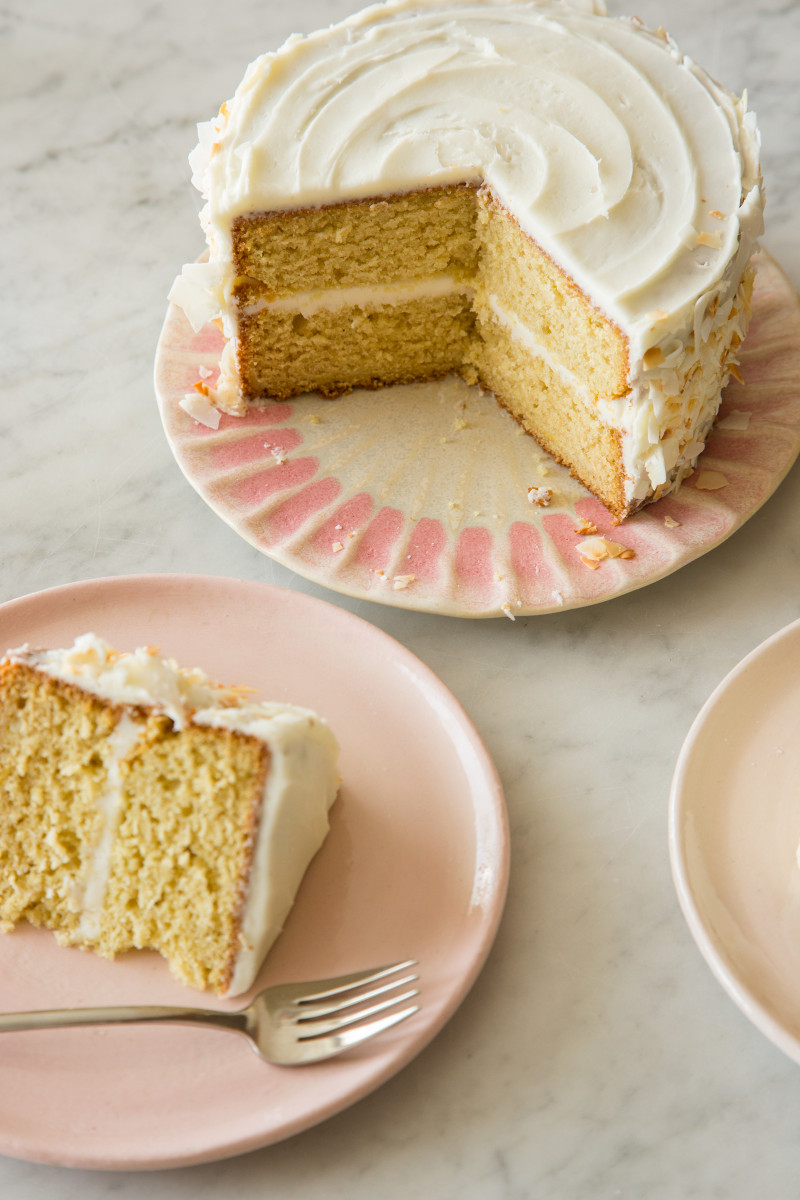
(596, 1057)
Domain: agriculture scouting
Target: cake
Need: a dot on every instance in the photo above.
(143, 806)
(551, 202)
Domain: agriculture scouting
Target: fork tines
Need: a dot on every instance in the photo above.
(338, 1007)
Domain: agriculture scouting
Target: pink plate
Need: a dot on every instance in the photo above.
(415, 866)
(734, 833)
(417, 496)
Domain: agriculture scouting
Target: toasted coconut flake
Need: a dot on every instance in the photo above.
(671, 523)
(202, 409)
(337, 547)
(507, 610)
(400, 582)
(540, 496)
(736, 373)
(653, 357)
(710, 481)
(734, 420)
(598, 549)
(709, 239)
(717, 214)
(591, 563)
(594, 548)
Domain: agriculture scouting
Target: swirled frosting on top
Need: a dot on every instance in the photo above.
(621, 157)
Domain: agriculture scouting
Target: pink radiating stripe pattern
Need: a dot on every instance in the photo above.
(253, 491)
(342, 525)
(245, 450)
(257, 418)
(288, 517)
(376, 546)
(474, 563)
(426, 550)
(538, 579)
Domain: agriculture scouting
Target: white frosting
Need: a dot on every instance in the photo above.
(624, 160)
(301, 784)
(89, 896)
(330, 299)
(300, 788)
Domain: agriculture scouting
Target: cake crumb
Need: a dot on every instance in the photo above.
(717, 214)
(585, 527)
(313, 418)
(544, 469)
(671, 523)
(710, 481)
(540, 496)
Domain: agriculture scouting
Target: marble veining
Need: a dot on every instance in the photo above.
(596, 1057)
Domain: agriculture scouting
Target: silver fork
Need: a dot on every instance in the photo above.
(290, 1025)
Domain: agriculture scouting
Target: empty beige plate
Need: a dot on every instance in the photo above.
(734, 830)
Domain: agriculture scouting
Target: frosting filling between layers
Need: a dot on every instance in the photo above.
(333, 299)
(89, 895)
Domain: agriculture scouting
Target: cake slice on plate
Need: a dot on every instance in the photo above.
(143, 806)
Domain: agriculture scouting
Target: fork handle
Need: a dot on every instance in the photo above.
(58, 1018)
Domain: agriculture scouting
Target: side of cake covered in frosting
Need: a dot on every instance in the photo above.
(143, 806)
(547, 200)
